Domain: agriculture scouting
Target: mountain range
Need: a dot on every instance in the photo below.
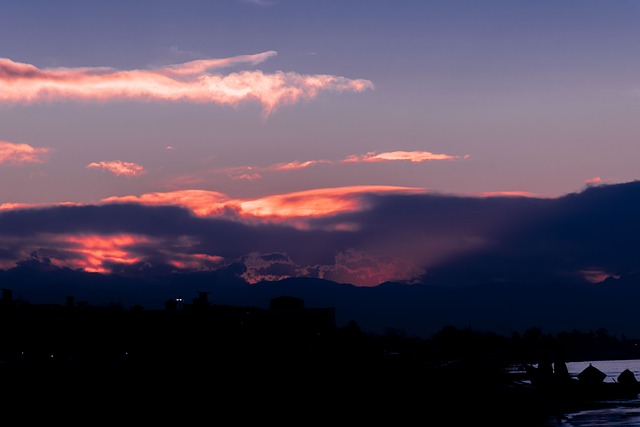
(561, 264)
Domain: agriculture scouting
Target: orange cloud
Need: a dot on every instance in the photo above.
(189, 82)
(12, 206)
(315, 203)
(200, 202)
(290, 207)
(412, 156)
(94, 250)
(98, 253)
(16, 154)
(118, 167)
(301, 204)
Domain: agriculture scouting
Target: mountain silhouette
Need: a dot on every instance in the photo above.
(558, 264)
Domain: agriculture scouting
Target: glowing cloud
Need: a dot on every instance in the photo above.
(120, 252)
(94, 250)
(200, 202)
(316, 203)
(189, 82)
(118, 167)
(412, 156)
(301, 204)
(593, 181)
(16, 154)
(515, 193)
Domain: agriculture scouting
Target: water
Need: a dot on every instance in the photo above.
(611, 413)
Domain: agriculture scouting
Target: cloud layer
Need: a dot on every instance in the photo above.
(401, 235)
(190, 82)
(289, 207)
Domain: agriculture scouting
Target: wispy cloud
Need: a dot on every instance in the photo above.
(16, 154)
(296, 165)
(191, 81)
(255, 172)
(118, 167)
(390, 156)
(509, 193)
(259, 2)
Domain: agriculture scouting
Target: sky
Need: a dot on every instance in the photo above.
(285, 118)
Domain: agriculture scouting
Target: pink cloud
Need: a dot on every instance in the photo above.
(17, 154)
(514, 193)
(249, 176)
(98, 253)
(279, 207)
(315, 203)
(594, 180)
(92, 251)
(188, 261)
(191, 82)
(412, 156)
(253, 172)
(595, 275)
(200, 202)
(296, 165)
(118, 167)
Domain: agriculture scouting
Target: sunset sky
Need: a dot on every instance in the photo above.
(286, 113)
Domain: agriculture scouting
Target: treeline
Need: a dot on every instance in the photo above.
(453, 343)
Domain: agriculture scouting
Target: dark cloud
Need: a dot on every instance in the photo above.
(451, 240)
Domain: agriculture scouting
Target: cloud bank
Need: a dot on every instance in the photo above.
(280, 207)
(412, 237)
(192, 81)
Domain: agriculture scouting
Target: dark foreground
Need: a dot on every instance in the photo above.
(199, 363)
(283, 391)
